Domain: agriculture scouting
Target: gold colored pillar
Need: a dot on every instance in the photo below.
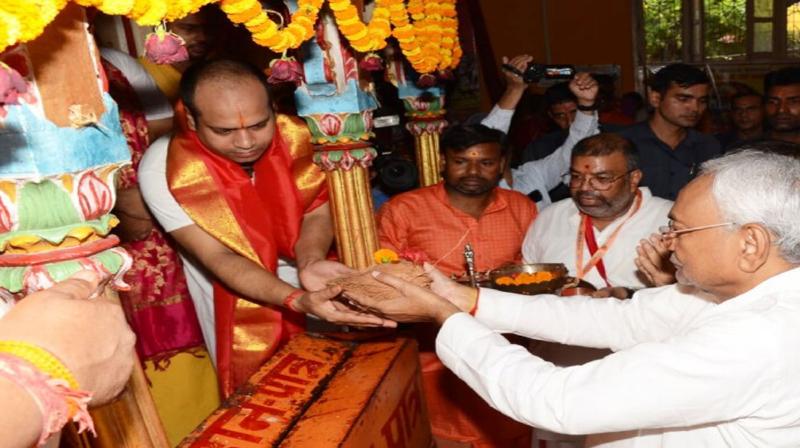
(344, 152)
(426, 143)
(354, 222)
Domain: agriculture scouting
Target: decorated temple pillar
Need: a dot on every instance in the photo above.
(426, 123)
(424, 108)
(339, 115)
(62, 147)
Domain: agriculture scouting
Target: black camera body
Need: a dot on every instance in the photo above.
(535, 72)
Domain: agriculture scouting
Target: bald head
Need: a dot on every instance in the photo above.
(219, 75)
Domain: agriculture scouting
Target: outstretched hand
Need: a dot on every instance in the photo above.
(461, 296)
(414, 304)
(315, 275)
(325, 305)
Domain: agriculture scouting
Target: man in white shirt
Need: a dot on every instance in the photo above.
(595, 233)
(710, 362)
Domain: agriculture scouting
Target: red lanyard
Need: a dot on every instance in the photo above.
(586, 233)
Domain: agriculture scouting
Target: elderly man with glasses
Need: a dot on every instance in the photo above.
(595, 233)
(711, 361)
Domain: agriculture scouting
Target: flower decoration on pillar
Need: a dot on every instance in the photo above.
(371, 63)
(165, 47)
(12, 85)
(285, 69)
(426, 80)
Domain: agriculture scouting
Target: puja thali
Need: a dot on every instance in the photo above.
(530, 279)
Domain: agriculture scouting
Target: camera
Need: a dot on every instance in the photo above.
(534, 72)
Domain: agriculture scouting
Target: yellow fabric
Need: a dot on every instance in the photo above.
(166, 77)
(185, 393)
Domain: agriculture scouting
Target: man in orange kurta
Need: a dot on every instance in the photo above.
(247, 195)
(467, 207)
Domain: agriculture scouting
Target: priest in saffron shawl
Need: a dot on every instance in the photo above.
(237, 189)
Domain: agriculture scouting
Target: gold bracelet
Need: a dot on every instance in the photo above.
(41, 359)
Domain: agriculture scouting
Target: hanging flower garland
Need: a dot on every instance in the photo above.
(267, 33)
(363, 37)
(430, 42)
(21, 21)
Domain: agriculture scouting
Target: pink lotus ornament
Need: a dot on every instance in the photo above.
(12, 85)
(164, 47)
(371, 63)
(285, 70)
(330, 124)
(95, 198)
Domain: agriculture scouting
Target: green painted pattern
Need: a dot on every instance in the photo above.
(11, 277)
(45, 205)
(56, 235)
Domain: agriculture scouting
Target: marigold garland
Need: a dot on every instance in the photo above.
(364, 38)
(428, 39)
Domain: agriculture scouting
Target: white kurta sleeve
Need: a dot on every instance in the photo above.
(651, 315)
(715, 373)
(545, 174)
(499, 119)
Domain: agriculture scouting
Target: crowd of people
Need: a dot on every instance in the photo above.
(690, 242)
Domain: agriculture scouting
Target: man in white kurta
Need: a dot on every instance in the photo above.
(606, 200)
(552, 239)
(713, 361)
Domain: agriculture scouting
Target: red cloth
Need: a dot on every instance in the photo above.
(259, 220)
(424, 220)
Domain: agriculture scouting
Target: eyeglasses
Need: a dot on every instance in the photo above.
(668, 232)
(600, 182)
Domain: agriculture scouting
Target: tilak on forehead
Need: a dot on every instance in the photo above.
(473, 153)
(241, 119)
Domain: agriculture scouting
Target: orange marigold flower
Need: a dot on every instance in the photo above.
(384, 256)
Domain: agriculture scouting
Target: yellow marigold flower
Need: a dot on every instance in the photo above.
(354, 32)
(116, 7)
(258, 22)
(380, 13)
(139, 8)
(236, 6)
(247, 15)
(338, 5)
(297, 34)
(383, 256)
(10, 30)
(155, 13)
(304, 21)
(345, 20)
